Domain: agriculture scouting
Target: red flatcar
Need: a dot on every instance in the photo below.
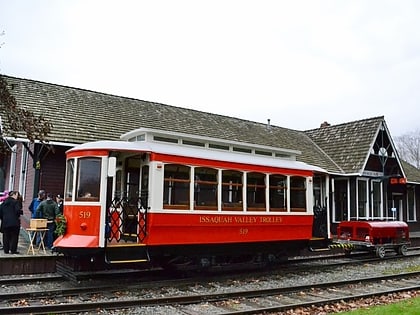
(377, 236)
(177, 199)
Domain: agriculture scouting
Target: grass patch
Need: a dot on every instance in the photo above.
(406, 307)
(414, 268)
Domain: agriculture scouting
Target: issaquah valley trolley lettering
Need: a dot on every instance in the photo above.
(239, 220)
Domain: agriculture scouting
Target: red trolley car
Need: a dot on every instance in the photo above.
(173, 198)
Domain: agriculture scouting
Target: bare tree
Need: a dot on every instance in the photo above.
(408, 146)
(16, 120)
(1, 34)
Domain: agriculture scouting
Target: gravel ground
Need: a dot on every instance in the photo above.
(283, 278)
(287, 279)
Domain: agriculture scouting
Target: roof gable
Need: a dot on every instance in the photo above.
(348, 144)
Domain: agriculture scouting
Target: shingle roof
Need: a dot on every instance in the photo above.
(80, 116)
(412, 173)
(348, 144)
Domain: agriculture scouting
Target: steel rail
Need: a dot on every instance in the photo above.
(157, 279)
(217, 297)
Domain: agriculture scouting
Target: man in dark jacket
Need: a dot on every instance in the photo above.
(10, 212)
(35, 203)
(48, 209)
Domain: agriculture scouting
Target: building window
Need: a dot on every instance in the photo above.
(23, 170)
(176, 187)
(377, 200)
(341, 201)
(320, 194)
(12, 168)
(362, 204)
(411, 205)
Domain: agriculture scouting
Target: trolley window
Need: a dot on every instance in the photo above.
(176, 187)
(205, 188)
(255, 191)
(298, 194)
(278, 193)
(69, 179)
(88, 179)
(232, 190)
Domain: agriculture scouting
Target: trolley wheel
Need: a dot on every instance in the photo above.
(347, 252)
(402, 250)
(380, 252)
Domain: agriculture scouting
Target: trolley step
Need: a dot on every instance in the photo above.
(126, 254)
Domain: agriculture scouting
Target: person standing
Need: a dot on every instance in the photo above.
(35, 203)
(48, 209)
(3, 196)
(60, 203)
(10, 212)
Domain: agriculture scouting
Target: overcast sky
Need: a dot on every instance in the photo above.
(297, 63)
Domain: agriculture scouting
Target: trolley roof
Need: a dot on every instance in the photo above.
(195, 152)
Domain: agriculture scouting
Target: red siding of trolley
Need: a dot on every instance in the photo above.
(83, 227)
(212, 229)
(189, 229)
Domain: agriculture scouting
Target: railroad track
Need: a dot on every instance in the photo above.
(32, 278)
(282, 299)
(292, 265)
(60, 295)
(243, 302)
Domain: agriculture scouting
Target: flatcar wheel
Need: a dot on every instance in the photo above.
(402, 250)
(380, 252)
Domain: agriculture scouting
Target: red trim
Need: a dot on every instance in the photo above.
(226, 165)
(77, 241)
(92, 153)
